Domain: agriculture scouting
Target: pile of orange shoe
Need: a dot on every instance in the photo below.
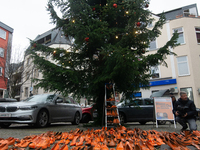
(119, 138)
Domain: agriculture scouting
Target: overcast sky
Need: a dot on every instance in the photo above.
(29, 18)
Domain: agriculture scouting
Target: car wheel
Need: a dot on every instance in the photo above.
(85, 118)
(42, 118)
(161, 122)
(76, 119)
(122, 118)
(5, 125)
(142, 122)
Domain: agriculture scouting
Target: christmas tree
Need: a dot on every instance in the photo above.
(110, 42)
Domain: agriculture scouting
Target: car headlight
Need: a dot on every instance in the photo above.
(27, 107)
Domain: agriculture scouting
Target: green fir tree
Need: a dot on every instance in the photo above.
(110, 42)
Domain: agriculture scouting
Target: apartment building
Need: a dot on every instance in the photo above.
(183, 71)
(5, 53)
(53, 38)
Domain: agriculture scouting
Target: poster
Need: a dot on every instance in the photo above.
(163, 108)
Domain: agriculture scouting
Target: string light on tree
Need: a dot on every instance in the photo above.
(116, 37)
(54, 53)
(73, 21)
(127, 12)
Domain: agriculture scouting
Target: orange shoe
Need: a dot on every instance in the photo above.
(64, 147)
(112, 143)
(4, 146)
(73, 142)
(56, 147)
(80, 143)
(114, 106)
(128, 146)
(104, 147)
(97, 147)
(120, 146)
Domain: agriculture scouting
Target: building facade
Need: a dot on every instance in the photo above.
(53, 38)
(183, 71)
(5, 54)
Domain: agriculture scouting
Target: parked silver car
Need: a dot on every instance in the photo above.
(40, 110)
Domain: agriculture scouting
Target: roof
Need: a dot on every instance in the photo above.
(171, 14)
(56, 37)
(6, 27)
(180, 8)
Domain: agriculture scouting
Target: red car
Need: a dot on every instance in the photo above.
(87, 114)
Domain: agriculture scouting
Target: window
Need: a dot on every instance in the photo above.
(67, 100)
(28, 61)
(26, 92)
(2, 34)
(152, 45)
(62, 54)
(180, 39)
(1, 52)
(45, 40)
(36, 73)
(198, 34)
(27, 75)
(150, 25)
(191, 11)
(1, 70)
(155, 72)
(183, 68)
(189, 92)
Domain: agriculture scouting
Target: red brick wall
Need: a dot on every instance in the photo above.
(3, 44)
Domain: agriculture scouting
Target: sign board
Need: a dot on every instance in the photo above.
(163, 108)
(31, 88)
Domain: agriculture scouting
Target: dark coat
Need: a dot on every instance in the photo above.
(191, 111)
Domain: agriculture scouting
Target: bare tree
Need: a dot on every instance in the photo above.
(16, 71)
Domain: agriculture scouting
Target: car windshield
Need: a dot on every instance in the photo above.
(40, 98)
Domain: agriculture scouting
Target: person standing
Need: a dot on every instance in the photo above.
(173, 99)
(185, 112)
